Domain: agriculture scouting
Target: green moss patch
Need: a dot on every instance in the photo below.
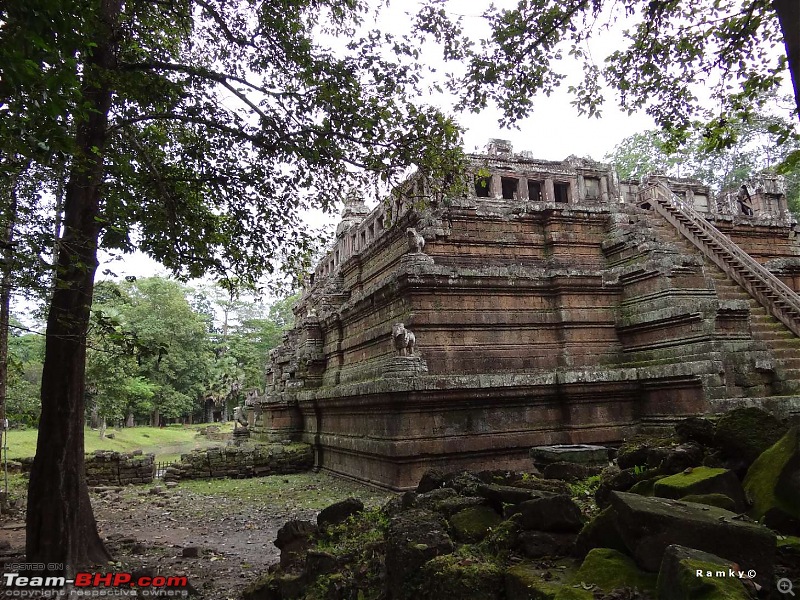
(645, 488)
(685, 480)
(705, 587)
(474, 523)
(526, 582)
(609, 569)
(702, 480)
(574, 593)
(600, 532)
(461, 577)
(764, 474)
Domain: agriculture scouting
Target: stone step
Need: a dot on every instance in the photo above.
(792, 363)
(785, 353)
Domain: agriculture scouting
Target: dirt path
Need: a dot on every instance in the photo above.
(231, 525)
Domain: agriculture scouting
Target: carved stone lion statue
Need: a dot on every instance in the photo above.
(415, 241)
(404, 340)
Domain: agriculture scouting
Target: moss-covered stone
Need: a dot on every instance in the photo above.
(746, 432)
(642, 451)
(718, 500)
(645, 488)
(574, 593)
(789, 543)
(473, 524)
(461, 577)
(689, 574)
(263, 588)
(702, 480)
(600, 532)
(609, 569)
(649, 525)
(766, 477)
(524, 582)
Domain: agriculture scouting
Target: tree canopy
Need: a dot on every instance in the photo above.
(700, 64)
(722, 168)
(196, 131)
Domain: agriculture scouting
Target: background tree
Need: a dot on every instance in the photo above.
(253, 338)
(195, 131)
(721, 168)
(149, 355)
(25, 358)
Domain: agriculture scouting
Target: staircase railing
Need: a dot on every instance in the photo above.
(774, 295)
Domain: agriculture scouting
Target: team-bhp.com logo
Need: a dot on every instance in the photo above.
(95, 580)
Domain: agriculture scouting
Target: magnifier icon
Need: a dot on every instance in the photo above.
(785, 586)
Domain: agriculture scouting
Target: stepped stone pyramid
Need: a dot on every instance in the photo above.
(550, 303)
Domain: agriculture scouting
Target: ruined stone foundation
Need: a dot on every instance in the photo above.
(549, 304)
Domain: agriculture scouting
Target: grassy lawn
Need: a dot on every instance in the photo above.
(312, 491)
(167, 443)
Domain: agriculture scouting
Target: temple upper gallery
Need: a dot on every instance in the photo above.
(549, 303)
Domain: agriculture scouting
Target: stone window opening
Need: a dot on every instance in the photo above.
(353, 240)
(561, 192)
(363, 238)
(535, 191)
(592, 188)
(701, 202)
(381, 225)
(510, 187)
(482, 186)
(371, 231)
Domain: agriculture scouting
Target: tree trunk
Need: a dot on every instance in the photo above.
(94, 417)
(60, 525)
(5, 294)
(789, 17)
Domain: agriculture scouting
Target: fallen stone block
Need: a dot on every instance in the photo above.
(471, 525)
(648, 525)
(773, 484)
(718, 500)
(689, 574)
(339, 512)
(538, 544)
(551, 513)
(702, 480)
(608, 570)
(293, 540)
(415, 537)
(451, 577)
(746, 432)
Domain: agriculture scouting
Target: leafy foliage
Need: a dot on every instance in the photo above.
(154, 348)
(25, 358)
(700, 65)
(723, 168)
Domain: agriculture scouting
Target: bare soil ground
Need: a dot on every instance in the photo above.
(231, 523)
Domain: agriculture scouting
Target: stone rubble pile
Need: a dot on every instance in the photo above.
(716, 498)
(106, 467)
(250, 460)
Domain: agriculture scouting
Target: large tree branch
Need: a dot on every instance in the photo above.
(204, 73)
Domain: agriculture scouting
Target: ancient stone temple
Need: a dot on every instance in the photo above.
(550, 304)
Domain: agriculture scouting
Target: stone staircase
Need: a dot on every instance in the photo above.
(780, 300)
(776, 340)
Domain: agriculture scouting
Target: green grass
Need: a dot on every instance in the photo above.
(313, 491)
(166, 443)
